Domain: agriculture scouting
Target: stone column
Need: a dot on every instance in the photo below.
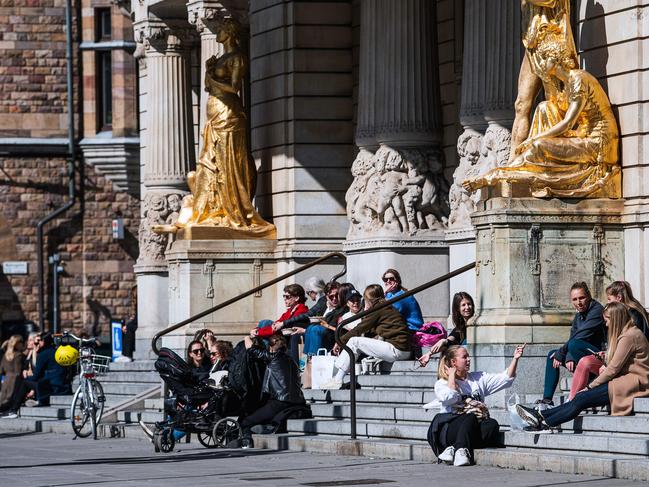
(461, 235)
(205, 15)
(397, 203)
(168, 156)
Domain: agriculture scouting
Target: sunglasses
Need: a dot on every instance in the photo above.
(288, 296)
(332, 296)
(389, 279)
(198, 350)
(212, 354)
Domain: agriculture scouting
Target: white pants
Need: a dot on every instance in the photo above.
(372, 347)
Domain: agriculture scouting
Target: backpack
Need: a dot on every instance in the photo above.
(429, 334)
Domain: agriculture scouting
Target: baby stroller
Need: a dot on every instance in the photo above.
(197, 405)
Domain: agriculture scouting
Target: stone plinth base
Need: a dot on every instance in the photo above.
(417, 260)
(461, 251)
(529, 252)
(204, 273)
(210, 232)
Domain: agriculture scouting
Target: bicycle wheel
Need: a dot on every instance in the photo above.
(79, 414)
(97, 405)
(225, 431)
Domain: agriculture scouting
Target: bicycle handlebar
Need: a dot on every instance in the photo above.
(82, 341)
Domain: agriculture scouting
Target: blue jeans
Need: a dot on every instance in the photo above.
(577, 350)
(568, 411)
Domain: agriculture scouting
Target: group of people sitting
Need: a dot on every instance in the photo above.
(30, 373)
(607, 352)
(389, 334)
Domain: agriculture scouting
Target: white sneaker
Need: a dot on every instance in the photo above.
(462, 458)
(332, 384)
(447, 455)
(10, 416)
(123, 358)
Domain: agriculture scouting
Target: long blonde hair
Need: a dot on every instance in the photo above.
(445, 360)
(10, 346)
(619, 321)
(622, 289)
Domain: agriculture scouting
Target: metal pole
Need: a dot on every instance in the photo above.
(54, 262)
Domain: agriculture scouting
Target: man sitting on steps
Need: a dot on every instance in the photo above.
(586, 334)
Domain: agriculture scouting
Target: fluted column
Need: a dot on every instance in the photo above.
(171, 152)
(368, 75)
(205, 16)
(399, 113)
(409, 82)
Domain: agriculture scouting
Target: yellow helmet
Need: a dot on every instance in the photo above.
(66, 355)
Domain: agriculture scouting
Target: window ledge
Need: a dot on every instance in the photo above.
(117, 159)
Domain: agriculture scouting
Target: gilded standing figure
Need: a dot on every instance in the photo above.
(538, 19)
(223, 185)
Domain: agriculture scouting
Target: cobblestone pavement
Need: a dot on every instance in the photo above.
(56, 460)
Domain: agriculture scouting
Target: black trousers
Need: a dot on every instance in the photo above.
(21, 393)
(466, 431)
(263, 415)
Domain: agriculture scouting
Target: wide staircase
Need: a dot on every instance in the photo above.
(127, 385)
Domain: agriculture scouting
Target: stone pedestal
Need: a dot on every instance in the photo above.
(417, 260)
(461, 251)
(204, 273)
(529, 252)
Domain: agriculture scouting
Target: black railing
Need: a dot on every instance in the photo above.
(324, 258)
(362, 314)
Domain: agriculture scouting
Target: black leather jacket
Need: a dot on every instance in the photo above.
(282, 378)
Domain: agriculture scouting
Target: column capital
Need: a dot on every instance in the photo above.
(164, 37)
(206, 15)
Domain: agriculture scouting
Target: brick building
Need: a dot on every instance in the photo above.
(34, 178)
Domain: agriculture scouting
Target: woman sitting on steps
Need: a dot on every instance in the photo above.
(625, 377)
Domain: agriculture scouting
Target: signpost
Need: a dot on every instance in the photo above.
(116, 338)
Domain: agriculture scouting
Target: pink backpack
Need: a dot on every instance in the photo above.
(429, 334)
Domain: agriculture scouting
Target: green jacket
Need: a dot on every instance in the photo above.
(386, 323)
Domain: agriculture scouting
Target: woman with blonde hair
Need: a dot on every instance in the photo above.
(625, 377)
(463, 423)
(391, 340)
(11, 366)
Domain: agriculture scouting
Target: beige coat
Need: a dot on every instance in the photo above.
(627, 372)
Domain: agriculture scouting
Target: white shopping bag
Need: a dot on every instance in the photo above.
(515, 421)
(322, 368)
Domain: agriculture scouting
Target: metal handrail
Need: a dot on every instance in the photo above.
(363, 314)
(160, 334)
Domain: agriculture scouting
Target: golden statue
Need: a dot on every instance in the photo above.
(539, 17)
(572, 147)
(222, 187)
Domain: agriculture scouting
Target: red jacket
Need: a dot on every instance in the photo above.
(298, 309)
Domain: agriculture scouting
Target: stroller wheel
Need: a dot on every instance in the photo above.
(163, 440)
(225, 431)
(207, 440)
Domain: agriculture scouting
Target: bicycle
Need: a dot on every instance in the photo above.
(88, 402)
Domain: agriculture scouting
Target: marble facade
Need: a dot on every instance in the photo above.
(404, 97)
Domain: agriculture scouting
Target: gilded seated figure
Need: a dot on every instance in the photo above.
(572, 148)
(224, 182)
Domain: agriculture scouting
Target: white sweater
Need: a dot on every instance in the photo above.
(478, 385)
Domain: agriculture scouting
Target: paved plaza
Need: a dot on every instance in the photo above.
(36, 460)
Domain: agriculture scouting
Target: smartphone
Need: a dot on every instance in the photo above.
(593, 352)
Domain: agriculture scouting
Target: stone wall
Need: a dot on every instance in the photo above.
(33, 104)
(302, 117)
(98, 270)
(32, 68)
(612, 40)
(449, 41)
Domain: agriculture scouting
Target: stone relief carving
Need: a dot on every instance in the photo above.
(397, 192)
(478, 154)
(461, 202)
(159, 208)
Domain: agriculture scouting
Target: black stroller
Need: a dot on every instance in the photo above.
(197, 405)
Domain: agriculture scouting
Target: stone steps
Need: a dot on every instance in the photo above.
(617, 466)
